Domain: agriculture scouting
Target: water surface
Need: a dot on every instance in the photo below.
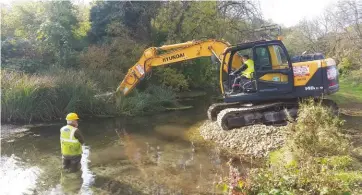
(127, 155)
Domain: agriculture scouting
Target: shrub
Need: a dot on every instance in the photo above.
(95, 57)
(170, 77)
(24, 64)
(202, 73)
(317, 131)
(153, 99)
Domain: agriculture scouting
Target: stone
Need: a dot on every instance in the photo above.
(256, 140)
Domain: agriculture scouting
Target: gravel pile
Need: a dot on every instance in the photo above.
(257, 140)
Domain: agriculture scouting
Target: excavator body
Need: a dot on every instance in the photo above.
(271, 95)
(275, 88)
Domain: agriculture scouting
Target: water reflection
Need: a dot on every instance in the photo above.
(15, 177)
(76, 183)
(87, 175)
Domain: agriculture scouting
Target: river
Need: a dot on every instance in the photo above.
(127, 155)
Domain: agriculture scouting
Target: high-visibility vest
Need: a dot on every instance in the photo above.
(70, 146)
(249, 70)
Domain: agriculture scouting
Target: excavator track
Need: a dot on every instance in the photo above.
(214, 109)
(268, 113)
(265, 113)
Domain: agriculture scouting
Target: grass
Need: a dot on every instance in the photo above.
(348, 93)
(29, 98)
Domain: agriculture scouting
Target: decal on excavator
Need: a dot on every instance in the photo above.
(331, 73)
(301, 71)
(140, 69)
(174, 57)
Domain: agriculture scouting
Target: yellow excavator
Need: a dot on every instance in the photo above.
(273, 92)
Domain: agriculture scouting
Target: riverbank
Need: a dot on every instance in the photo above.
(299, 156)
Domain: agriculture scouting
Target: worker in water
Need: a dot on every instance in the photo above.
(246, 69)
(71, 141)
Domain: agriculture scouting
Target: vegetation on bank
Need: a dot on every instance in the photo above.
(27, 98)
(350, 92)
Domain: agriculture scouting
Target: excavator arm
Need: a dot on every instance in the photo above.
(169, 54)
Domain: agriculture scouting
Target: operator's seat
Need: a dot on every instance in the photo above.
(250, 86)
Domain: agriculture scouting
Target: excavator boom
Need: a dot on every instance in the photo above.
(169, 54)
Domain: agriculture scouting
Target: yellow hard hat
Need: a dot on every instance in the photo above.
(72, 116)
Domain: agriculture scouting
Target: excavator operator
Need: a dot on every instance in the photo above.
(246, 70)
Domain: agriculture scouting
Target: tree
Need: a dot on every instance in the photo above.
(136, 16)
(55, 33)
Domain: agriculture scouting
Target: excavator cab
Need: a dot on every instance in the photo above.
(272, 76)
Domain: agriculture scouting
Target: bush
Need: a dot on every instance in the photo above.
(170, 77)
(153, 99)
(24, 64)
(202, 74)
(317, 131)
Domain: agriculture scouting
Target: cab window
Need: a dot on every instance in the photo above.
(262, 59)
(278, 57)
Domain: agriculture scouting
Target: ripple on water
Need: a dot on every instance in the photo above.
(17, 178)
(87, 175)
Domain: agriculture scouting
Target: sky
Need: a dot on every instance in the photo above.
(285, 12)
(289, 12)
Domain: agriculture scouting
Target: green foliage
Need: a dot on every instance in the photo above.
(346, 63)
(112, 60)
(25, 65)
(317, 131)
(21, 20)
(153, 99)
(135, 16)
(201, 73)
(55, 33)
(356, 78)
(84, 25)
(338, 162)
(170, 77)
